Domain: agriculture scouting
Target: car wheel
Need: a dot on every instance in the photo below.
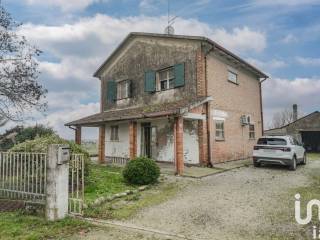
(256, 164)
(293, 165)
(304, 161)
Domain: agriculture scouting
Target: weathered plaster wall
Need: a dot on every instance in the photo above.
(142, 54)
(230, 101)
(118, 148)
(190, 142)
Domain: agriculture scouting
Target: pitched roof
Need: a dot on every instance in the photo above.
(197, 38)
(299, 119)
(149, 111)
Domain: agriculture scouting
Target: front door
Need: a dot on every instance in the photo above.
(148, 140)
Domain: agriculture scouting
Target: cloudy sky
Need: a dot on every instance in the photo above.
(281, 37)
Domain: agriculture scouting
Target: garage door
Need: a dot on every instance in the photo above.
(311, 140)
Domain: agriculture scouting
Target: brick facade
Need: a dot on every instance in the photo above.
(201, 72)
(101, 145)
(133, 139)
(232, 101)
(179, 145)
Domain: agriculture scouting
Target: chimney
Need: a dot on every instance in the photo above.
(295, 112)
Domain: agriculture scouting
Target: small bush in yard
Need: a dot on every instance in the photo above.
(141, 171)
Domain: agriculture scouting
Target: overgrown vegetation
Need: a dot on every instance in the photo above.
(104, 181)
(20, 134)
(141, 171)
(17, 226)
(40, 145)
(125, 208)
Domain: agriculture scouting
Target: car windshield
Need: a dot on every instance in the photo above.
(272, 141)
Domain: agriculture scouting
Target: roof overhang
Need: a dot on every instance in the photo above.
(215, 46)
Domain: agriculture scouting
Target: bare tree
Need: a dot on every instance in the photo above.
(282, 118)
(19, 89)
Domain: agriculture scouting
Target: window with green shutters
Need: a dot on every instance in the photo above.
(179, 75)
(164, 79)
(150, 81)
(111, 91)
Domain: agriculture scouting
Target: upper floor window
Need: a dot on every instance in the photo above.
(252, 134)
(232, 77)
(219, 130)
(166, 78)
(123, 89)
(114, 136)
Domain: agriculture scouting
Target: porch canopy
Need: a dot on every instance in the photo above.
(178, 109)
(148, 111)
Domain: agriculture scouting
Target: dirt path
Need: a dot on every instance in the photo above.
(231, 205)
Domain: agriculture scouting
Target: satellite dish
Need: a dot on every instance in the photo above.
(169, 30)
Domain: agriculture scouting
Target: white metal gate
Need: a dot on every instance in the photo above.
(23, 176)
(76, 184)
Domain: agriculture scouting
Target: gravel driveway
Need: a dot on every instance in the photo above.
(230, 205)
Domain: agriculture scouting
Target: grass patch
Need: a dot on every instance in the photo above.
(16, 225)
(104, 181)
(129, 206)
(313, 156)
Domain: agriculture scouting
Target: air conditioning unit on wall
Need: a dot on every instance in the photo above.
(245, 120)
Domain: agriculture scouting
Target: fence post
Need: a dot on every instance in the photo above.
(57, 182)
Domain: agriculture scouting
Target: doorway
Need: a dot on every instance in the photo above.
(148, 140)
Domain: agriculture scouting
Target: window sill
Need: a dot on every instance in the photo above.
(220, 139)
(114, 140)
(235, 83)
(252, 138)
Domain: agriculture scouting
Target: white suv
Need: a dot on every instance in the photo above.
(281, 150)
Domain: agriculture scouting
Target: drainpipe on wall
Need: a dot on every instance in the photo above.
(261, 107)
(208, 110)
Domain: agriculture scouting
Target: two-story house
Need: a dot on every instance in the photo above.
(178, 99)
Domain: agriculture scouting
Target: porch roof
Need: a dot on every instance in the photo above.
(148, 111)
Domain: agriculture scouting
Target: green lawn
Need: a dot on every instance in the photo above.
(313, 156)
(104, 181)
(18, 226)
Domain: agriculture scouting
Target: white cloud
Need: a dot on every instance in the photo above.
(289, 39)
(308, 61)
(279, 94)
(241, 39)
(268, 65)
(285, 2)
(66, 6)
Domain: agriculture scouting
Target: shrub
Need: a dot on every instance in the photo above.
(20, 134)
(141, 171)
(40, 145)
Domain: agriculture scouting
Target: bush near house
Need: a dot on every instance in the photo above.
(141, 171)
(40, 145)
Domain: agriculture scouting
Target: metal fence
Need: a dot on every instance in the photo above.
(117, 160)
(23, 176)
(76, 184)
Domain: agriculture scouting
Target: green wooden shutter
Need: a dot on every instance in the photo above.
(111, 91)
(179, 75)
(150, 81)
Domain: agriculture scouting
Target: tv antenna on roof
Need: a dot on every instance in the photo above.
(169, 28)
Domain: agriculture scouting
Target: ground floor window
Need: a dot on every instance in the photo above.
(252, 134)
(114, 136)
(219, 130)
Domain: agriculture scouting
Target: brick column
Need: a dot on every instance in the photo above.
(179, 158)
(78, 135)
(203, 142)
(102, 144)
(133, 139)
(201, 73)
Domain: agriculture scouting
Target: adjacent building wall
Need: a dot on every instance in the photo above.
(230, 101)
